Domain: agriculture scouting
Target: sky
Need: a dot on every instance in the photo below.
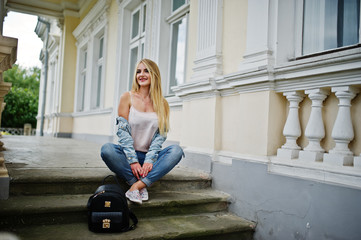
(22, 26)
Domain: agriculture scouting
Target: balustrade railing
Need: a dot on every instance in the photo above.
(17, 131)
(342, 130)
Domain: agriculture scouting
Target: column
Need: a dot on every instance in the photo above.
(292, 128)
(8, 52)
(260, 28)
(208, 62)
(342, 132)
(315, 130)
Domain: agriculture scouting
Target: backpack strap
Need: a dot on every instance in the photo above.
(134, 219)
(114, 177)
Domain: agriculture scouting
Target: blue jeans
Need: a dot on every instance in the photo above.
(115, 159)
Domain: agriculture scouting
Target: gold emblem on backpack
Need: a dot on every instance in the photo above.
(107, 203)
(106, 223)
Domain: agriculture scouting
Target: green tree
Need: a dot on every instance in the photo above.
(22, 100)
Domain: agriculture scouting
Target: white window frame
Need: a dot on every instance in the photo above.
(93, 27)
(137, 41)
(98, 84)
(299, 10)
(175, 17)
(82, 79)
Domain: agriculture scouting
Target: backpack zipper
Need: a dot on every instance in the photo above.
(98, 194)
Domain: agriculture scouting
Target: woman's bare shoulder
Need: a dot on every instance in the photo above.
(124, 105)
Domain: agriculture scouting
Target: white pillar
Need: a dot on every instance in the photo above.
(315, 130)
(261, 26)
(342, 132)
(292, 128)
(208, 62)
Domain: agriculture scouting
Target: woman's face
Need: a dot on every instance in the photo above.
(143, 76)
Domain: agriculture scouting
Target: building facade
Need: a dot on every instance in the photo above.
(264, 94)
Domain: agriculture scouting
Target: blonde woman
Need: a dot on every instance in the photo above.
(143, 123)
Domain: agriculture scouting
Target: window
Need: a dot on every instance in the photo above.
(330, 24)
(178, 43)
(98, 74)
(82, 78)
(91, 35)
(137, 30)
(178, 51)
(177, 4)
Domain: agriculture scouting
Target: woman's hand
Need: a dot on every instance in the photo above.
(136, 169)
(147, 167)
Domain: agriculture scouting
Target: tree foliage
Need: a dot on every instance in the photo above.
(22, 100)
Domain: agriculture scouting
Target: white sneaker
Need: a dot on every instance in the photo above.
(144, 194)
(134, 196)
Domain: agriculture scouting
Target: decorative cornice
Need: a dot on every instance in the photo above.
(8, 52)
(329, 70)
(92, 19)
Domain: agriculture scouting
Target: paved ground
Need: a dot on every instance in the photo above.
(49, 152)
(30, 157)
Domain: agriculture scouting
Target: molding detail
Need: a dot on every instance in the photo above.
(330, 70)
(208, 62)
(94, 18)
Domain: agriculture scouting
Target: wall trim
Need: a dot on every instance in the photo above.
(318, 171)
(203, 159)
(92, 112)
(101, 139)
(329, 70)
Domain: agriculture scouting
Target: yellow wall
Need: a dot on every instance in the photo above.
(276, 120)
(69, 65)
(99, 124)
(234, 33)
(201, 126)
(355, 145)
(111, 55)
(246, 120)
(88, 8)
(65, 124)
(175, 121)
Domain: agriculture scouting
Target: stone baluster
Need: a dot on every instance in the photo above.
(357, 162)
(342, 132)
(8, 51)
(315, 130)
(292, 128)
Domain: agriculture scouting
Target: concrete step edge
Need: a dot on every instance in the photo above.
(73, 175)
(200, 226)
(53, 209)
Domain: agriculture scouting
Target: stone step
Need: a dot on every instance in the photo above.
(56, 209)
(207, 226)
(40, 181)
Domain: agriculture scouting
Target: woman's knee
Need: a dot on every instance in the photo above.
(176, 151)
(106, 150)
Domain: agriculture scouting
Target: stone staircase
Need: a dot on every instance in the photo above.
(51, 204)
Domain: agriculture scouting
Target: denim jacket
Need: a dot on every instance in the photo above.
(126, 141)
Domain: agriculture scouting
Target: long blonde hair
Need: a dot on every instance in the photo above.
(160, 104)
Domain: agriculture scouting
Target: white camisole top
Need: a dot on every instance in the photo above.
(143, 126)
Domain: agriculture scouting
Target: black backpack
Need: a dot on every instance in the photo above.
(108, 209)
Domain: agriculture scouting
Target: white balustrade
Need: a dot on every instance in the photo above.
(315, 130)
(342, 132)
(357, 162)
(292, 128)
